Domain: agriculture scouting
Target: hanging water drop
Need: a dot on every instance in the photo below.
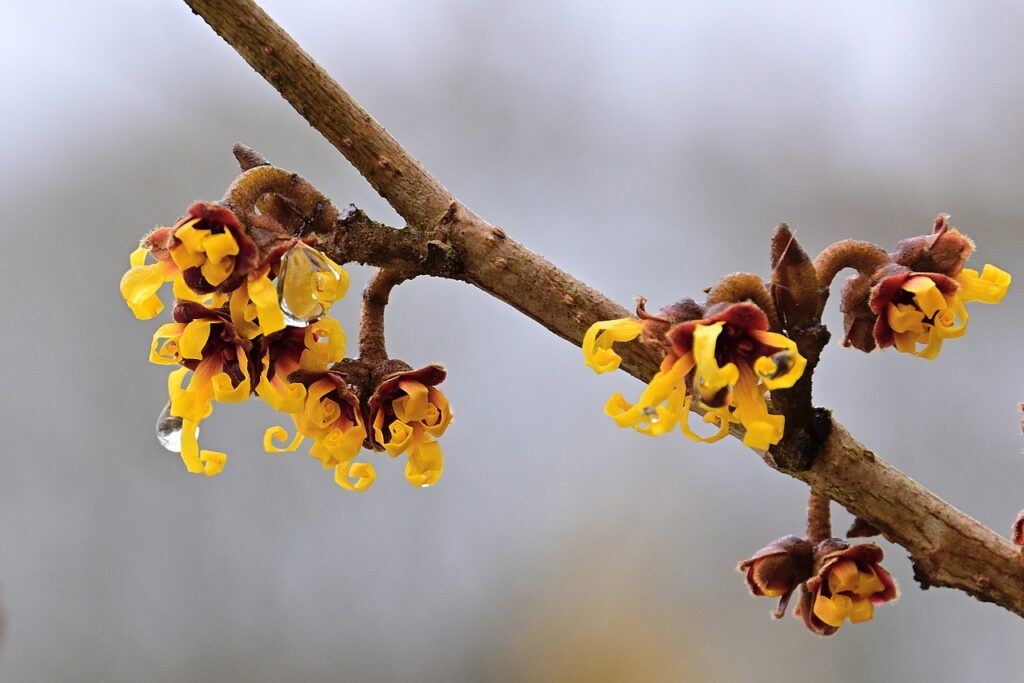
(651, 414)
(307, 284)
(168, 430)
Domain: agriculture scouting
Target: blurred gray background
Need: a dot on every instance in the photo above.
(646, 147)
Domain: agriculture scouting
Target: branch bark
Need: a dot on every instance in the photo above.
(444, 238)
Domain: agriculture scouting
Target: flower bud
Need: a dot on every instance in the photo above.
(778, 569)
(849, 582)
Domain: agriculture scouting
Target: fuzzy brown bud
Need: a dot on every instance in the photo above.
(777, 569)
(944, 251)
(794, 284)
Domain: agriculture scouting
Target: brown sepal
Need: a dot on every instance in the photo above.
(781, 565)
(794, 283)
(858, 319)
(945, 250)
(656, 327)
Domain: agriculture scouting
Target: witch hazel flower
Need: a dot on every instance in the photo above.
(724, 362)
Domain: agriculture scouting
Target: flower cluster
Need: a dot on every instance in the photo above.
(836, 581)
(725, 358)
(251, 319)
(915, 300)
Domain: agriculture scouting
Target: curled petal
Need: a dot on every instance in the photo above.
(213, 462)
(712, 380)
(649, 416)
(781, 370)
(763, 429)
(413, 406)
(279, 434)
(362, 471)
(140, 284)
(243, 312)
(719, 416)
(989, 288)
(194, 338)
(190, 447)
(598, 353)
(167, 353)
(425, 463)
(263, 294)
(325, 344)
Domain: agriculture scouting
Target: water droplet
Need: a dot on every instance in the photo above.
(305, 277)
(168, 430)
(651, 414)
(424, 486)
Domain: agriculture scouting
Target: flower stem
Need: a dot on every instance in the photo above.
(819, 518)
(865, 257)
(372, 344)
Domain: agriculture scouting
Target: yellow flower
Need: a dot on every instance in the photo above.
(726, 361)
(313, 348)
(329, 414)
(205, 342)
(848, 584)
(211, 249)
(408, 412)
(927, 308)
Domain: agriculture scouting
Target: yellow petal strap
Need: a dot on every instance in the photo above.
(718, 416)
(843, 576)
(140, 284)
(320, 412)
(363, 472)
(926, 294)
(425, 463)
(219, 246)
(264, 296)
(338, 445)
(436, 425)
(862, 611)
(325, 344)
(989, 287)
(190, 447)
(194, 338)
(223, 389)
(402, 435)
(833, 610)
(282, 395)
(213, 462)
(413, 406)
(710, 378)
(243, 312)
(782, 369)
(598, 353)
(279, 434)
(763, 429)
(168, 352)
(661, 402)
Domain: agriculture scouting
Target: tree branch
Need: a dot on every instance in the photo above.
(948, 548)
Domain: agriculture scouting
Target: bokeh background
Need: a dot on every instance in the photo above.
(647, 147)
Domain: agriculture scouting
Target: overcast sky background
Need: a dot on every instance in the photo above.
(647, 147)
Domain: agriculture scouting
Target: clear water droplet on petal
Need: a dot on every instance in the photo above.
(168, 430)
